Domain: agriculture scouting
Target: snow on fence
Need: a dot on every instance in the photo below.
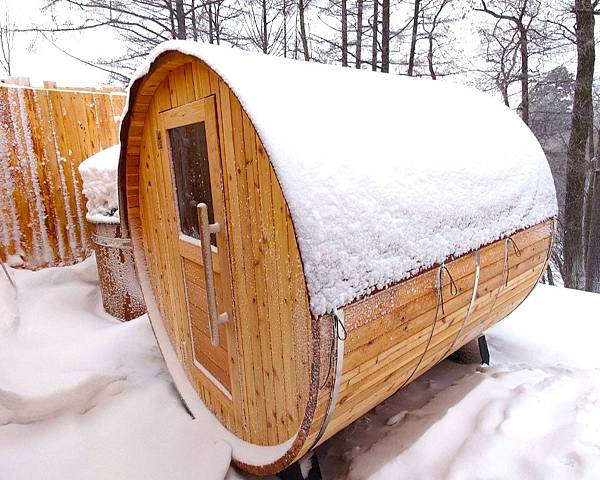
(44, 134)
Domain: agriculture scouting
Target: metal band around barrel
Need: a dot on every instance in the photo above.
(122, 243)
(504, 275)
(548, 254)
(338, 320)
(471, 305)
(439, 305)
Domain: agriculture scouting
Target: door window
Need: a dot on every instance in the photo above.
(189, 154)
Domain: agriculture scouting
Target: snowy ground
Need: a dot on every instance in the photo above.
(85, 396)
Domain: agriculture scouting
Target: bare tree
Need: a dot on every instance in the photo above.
(143, 24)
(430, 27)
(303, 33)
(574, 274)
(359, 33)
(375, 35)
(520, 14)
(501, 53)
(344, 34)
(413, 39)
(7, 39)
(385, 36)
(263, 24)
(592, 279)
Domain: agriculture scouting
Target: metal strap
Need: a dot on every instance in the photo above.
(439, 306)
(504, 275)
(339, 337)
(548, 254)
(113, 242)
(506, 270)
(471, 305)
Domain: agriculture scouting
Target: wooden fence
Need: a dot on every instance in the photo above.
(45, 133)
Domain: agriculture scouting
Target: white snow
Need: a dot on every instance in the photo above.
(99, 175)
(534, 414)
(83, 395)
(384, 175)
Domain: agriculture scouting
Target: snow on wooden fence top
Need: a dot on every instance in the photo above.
(384, 175)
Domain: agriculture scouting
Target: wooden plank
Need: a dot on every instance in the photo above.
(257, 340)
(56, 144)
(410, 299)
(354, 401)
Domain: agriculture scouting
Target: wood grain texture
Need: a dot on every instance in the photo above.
(46, 133)
(278, 356)
(266, 350)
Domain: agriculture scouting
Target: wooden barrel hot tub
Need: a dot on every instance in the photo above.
(121, 294)
(298, 262)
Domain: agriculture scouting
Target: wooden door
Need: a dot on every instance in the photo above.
(190, 135)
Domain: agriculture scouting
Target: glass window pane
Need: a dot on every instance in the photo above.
(189, 153)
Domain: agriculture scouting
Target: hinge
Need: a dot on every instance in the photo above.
(159, 139)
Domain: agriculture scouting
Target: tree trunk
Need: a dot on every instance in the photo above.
(580, 127)
(211, 38)
(504, 91)
(172, 21)
(359, 28)
(524, 73)
(303, 37)
(589, 195)
(344, 33)
(375, 35)
(413, 40)
(385, 36)
(194, 26)
(180, 18)
(592, 268)
(549, 275)
(264, 39)
(430, 58)
(284, 29)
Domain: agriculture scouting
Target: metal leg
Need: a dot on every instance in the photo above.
(476, 351)
(484, 352)
(294, 472)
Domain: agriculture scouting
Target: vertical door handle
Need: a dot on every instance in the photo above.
(206, 229)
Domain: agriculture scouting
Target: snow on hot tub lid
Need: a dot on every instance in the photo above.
(384, 175)
(99, 176)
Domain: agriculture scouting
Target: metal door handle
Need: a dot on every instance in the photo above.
(206, 229)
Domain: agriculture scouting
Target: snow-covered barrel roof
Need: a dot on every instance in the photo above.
(384, 175)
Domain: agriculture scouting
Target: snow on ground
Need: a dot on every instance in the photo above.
(85, 396)
(534, 414)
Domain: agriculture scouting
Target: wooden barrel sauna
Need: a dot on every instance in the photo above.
(121, 294)
(337, 268)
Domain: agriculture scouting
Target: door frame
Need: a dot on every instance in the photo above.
(203, 110)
